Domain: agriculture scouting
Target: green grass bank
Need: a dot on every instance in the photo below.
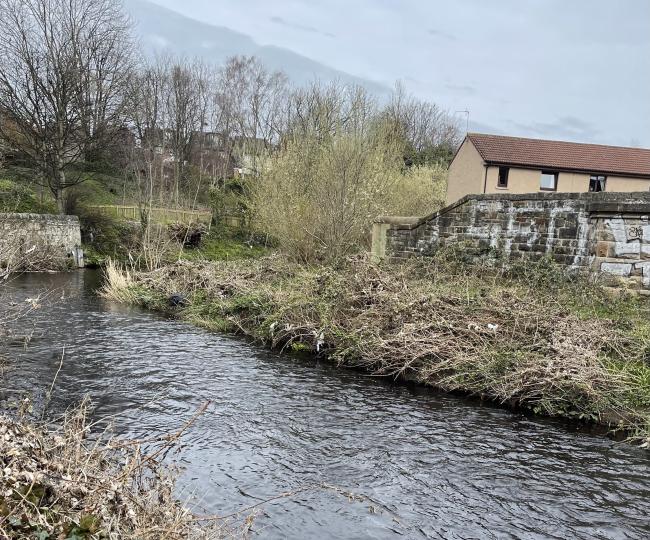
(530, 337)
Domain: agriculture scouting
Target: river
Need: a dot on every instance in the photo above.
(424, 464)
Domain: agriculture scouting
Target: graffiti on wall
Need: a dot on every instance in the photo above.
(627, 240)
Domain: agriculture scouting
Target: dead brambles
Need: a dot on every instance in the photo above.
(532, 337)
(61, 483)
(187, 235)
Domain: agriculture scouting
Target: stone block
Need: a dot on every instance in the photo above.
(616, 269)
(561, 258)
(567, 232)
(604, 249)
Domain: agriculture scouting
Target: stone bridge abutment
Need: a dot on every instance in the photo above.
(606, 232)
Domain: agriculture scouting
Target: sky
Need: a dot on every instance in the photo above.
(561, 69)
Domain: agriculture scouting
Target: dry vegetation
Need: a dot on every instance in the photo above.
(60, 483)
(17, 257)
(530, 337)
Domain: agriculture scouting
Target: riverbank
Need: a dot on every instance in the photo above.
(56, 482)
(531, 337)
(68, 477)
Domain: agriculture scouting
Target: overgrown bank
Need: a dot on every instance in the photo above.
(56, 482)
(532, 337)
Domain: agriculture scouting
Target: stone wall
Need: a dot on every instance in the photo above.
(39, 242)
(620, 240)
(609, 232)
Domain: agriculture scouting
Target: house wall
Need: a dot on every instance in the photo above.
(519, 181)
(606, 232)
(527, 181)
(466, 173)
(469, 175)
(620, 183)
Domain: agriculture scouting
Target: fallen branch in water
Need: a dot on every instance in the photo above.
(252, 507)
(168, 440)
(48, 395)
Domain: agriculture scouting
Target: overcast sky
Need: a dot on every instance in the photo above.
(566, 69)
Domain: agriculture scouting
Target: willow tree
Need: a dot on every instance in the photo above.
(318, 195)
(64, 68)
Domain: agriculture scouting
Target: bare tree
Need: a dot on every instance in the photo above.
(428, 132)
(146, 109)
(324, 109)
(248, 107)
(185, 118)
(64, 66)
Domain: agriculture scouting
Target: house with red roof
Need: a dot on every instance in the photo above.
(499, 164)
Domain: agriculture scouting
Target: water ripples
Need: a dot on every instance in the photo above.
(426, 465)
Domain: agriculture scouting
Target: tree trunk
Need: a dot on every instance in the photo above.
(60, 201)
(57, 182)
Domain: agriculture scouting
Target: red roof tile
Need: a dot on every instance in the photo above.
(560, 155)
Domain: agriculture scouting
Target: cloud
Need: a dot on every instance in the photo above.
(461, 88)
(158, 41)
(567, 127)
(441, 34)
(480, 127)
(501, 60)
(301, 27)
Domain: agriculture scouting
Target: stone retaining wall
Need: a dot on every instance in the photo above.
(40, 241)
(609, 232)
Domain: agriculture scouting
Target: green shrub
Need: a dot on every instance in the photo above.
(16, 197)
(223, 243)
(104, 236)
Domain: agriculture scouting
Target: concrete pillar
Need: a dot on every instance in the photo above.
(379, 237)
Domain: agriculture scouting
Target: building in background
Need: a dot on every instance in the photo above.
(498, 164)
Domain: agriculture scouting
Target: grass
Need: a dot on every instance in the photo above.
(20, 198)
(223, 244)
(100, 189)
(19, 192)
(532, 337)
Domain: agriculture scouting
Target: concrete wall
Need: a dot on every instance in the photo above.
(468, 176)
(608, 232)
(40, 241)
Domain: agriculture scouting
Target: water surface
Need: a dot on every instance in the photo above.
(424, 464)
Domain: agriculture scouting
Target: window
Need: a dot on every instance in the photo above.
(502, 182)
(597, 183)
(548, 181)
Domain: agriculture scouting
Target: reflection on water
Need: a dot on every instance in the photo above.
(428, 465)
